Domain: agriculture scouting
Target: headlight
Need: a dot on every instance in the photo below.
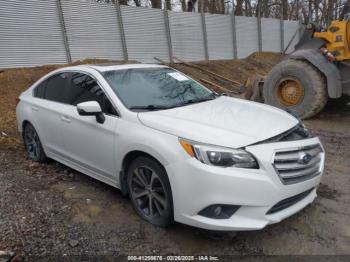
(219, 156)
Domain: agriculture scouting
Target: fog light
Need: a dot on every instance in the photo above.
(219, 211)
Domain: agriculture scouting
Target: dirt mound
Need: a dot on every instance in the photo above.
(15, 81)
(236, 69)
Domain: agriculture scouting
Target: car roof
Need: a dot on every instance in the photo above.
(109, 67)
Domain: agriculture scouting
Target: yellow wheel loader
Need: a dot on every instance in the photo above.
(317, 70)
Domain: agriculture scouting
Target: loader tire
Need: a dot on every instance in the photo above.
(297, 86)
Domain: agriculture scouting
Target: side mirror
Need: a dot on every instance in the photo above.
(91, 108)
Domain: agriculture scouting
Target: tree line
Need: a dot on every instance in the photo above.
(317, 11)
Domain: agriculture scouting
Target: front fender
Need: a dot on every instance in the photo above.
(165, 148)
(136, 137)
(329, 69)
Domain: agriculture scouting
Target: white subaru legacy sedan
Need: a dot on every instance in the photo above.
(180, 151)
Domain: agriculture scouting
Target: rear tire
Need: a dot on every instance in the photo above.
(150, 191)
(33, 144)
(297, 86)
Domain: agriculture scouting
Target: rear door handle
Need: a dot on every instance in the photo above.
(34, 108)
(65, 119)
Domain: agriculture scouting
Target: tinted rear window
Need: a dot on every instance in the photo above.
(39, 91)
(55, 88)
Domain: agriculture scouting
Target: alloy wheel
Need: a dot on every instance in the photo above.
(32, 142)
(148, 192)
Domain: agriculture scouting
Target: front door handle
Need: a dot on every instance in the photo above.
(65, 119)
(34, 108)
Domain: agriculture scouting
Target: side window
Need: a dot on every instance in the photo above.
(83, 88)
(55, 88)
(39, 91)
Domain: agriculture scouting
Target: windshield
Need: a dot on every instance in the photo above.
(155, 88)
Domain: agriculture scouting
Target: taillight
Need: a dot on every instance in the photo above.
(17, 101)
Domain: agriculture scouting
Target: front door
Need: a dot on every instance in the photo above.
(89, 144)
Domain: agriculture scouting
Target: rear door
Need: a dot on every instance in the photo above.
(47, 109)
(88, 143)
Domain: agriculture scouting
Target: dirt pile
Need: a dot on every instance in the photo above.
(236, 69)
(15, 81)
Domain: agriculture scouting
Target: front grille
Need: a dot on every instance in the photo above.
(297, 165)
(285, 203)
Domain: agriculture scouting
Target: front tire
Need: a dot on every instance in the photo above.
(297, 86)
(33, 144)
(150, 191)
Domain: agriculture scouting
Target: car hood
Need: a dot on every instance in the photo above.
(224, 121)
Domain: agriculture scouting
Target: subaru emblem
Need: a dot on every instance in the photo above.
(304, 158)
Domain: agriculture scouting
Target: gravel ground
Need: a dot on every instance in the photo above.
(49, 209)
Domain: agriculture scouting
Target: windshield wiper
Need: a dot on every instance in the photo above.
(150, 107)
(212, 96)
(163, 107)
